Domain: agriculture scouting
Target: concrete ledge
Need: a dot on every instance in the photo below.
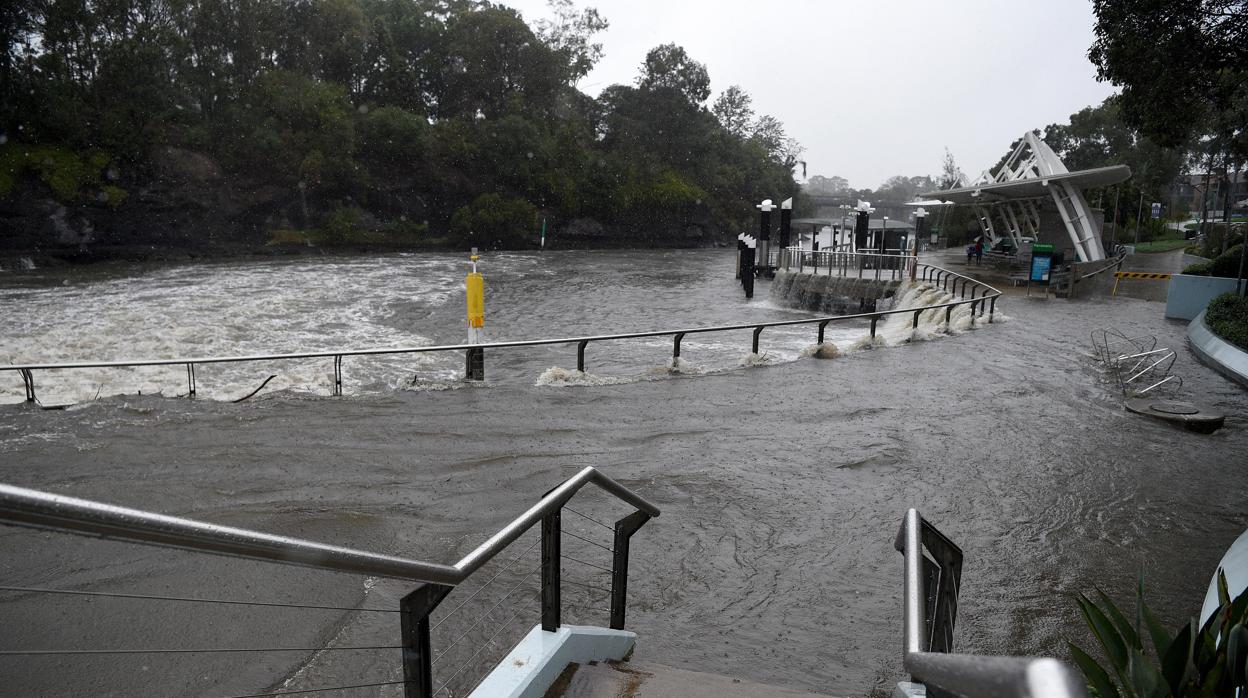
(1217, 353)
(1189, 295)
(534, 664)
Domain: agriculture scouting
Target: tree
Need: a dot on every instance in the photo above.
(1182, 66)
(734, 110)
(669, 67)
(769, 132)
(828, 186)
(950, 174)
(570, 33)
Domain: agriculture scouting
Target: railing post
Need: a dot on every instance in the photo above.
(190, 379)
(948, 315)
(874, 319)
(580, 355)
(417, 655)
(550, 571)
(754, 345)
(338, 375)
(916, 318)
(801, 262)
(624, 529)
(992, 308)
(821, 326)
(676, 346)
(28, 382)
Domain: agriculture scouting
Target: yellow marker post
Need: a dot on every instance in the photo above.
(474, 285)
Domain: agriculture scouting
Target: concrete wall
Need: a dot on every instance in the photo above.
(1190, 295)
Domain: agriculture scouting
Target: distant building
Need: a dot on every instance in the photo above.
(1192, 190)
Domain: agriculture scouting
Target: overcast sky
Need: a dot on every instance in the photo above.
(872, 88)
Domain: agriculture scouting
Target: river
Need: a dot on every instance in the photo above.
(781, 485)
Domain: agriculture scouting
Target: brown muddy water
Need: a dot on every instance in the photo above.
(781, 488)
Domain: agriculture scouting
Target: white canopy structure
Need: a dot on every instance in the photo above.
(1014, 193)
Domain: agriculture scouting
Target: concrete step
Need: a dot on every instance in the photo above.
(631, 680)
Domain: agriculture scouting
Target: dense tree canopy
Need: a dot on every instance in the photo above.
(454, 114)
(1182, 66)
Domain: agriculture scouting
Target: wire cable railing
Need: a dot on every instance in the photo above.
(982, 295)
(932, 577)
(520, 582)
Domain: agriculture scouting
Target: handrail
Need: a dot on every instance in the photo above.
(990, 294)
(33, 508)
(927, 658)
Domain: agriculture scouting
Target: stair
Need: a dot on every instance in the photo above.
(631, 680)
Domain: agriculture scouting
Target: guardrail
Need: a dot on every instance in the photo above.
(32, 508)
(981, 294)
(893, 261)
(930, 595)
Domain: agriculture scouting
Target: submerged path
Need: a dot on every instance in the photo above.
(781, 489)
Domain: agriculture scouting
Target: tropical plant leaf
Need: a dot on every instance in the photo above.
(1177, 662)
(1098, 679)
(1146, 681)
(1125, 629)
(1105, 633)
(1237, 654)
(1161, 637)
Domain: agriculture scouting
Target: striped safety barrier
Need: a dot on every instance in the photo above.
(1155, 276)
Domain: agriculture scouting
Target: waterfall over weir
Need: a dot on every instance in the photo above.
(821, 293)
(842, 295)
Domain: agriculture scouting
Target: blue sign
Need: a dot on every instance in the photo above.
(1040, 267)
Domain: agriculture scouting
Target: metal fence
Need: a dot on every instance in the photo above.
(982, 300)
(419, 659)
(891, 264)
(933, 575)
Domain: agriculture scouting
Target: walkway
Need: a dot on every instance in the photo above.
(1149, 289)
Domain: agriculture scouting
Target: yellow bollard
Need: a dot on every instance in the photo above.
(474, 284)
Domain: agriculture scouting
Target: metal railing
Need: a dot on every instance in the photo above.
(933, 574)
(980, 294)
(31, 508)
(892, 264)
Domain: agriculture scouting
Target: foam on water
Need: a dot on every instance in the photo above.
(229, 310)
(561, 378)
(753, 359)
(325, 304)
(827, 350)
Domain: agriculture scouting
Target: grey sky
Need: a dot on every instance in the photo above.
(873, 89)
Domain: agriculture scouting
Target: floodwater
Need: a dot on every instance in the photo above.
(781, 485)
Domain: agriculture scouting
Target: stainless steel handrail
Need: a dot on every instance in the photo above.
(991, 293)
(938, 273)
(970, 676)
(26, 507)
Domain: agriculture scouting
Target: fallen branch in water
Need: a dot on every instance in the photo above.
(252, 393)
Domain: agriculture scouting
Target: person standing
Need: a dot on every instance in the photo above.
(979, 250)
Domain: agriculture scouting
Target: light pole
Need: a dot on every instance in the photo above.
(919, 215)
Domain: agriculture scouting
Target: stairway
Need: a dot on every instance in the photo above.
(631, 680)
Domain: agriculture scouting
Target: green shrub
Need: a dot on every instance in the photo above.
(1199, 268)
(1225, 264)
(1227, 316)
(71, 176)
(495, 219)
(1198, 660)
(344, 223)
